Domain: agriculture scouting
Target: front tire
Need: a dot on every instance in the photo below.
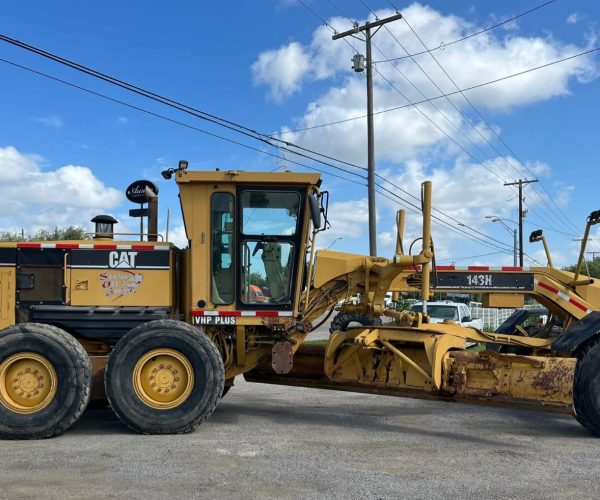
(586, 388)
(45, 381)
(164, 377)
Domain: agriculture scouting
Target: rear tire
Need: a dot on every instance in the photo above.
(586, 387)
(164, 377)
(45, 381)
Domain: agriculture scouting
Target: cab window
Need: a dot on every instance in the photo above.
(222, 248)
(269, 235)
(270, 212)
(266, 272)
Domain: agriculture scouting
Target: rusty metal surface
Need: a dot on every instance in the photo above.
(550, 382)
(98, 367)
(282, 357)
(308, 372)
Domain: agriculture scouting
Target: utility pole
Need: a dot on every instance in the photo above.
(515, 249)
(358, 67)
(521, 183)
(594, 254)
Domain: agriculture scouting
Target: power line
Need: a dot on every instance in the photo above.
(439, 110)
(217, 136)
(163, 117)
(436, 220)
(447, 94)
(177, 122)
(228, 124)
(456, 86)
(417, 209)
(428, 118)
(322, 19)
(443, 45)
(478, 114)
(425, 115)
(469, 257)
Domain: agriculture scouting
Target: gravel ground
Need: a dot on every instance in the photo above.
(274, 441)
(268, 441)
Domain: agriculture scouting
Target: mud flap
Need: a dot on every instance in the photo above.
(584, 329)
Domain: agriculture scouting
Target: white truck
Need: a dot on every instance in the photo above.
(454, 311)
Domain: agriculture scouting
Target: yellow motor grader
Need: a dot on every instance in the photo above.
(162, 332)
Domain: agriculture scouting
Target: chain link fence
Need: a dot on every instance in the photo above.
(492, 318)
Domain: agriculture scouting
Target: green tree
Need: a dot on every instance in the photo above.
(56, 234)
(10, 236)
(592, 265)
(258, 280)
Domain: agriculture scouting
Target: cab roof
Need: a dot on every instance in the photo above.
(241, 177)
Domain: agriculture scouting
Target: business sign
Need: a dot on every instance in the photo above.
(136, 192)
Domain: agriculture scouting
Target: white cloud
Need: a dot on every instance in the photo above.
(574, 18)
(121, 120)
(413, 144)
(404, 133)
(465, 191)
(348, 219)
(32, 198)
(283, 69)
(51, 121)
(177, 236)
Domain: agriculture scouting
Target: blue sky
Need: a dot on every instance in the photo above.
(66, 155)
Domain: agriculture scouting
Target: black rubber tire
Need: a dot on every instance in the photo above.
(228, 385)
(206, 362)
(586, 387)
(341, 321)
(226, 390)
(74, 380)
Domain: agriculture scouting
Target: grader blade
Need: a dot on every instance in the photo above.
(428, 368)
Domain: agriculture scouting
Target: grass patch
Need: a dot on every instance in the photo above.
(322, 342)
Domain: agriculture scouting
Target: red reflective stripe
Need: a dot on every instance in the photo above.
(105, 247)
(446, 268)
(547, 287)
(578, 305)
(67, 245)
(29, 245)
(478, 268)
(511, 268)
(141, 247)
(237, 313)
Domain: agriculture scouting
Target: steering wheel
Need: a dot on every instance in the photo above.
(521, 330)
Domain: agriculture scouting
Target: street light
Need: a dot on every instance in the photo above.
(334, 242)
(495, 218)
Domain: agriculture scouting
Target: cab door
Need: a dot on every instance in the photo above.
(269, 238)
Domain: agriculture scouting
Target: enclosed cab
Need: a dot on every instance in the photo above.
(247, 234)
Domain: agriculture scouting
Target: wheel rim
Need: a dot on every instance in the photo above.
(163, 378)
(27, 382)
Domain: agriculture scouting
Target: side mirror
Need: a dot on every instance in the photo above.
(466, 319)
(315, 211)
(535, 236)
